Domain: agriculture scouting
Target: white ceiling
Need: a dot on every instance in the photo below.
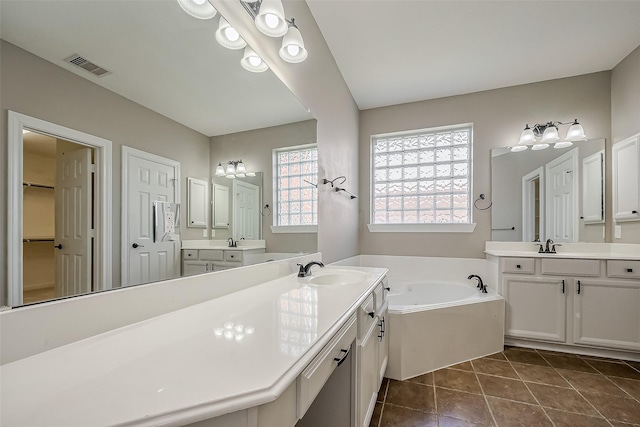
(159, 57)
(392, 52)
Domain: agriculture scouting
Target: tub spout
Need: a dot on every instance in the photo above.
(481, 285)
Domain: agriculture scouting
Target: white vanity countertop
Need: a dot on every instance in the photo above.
(243, 245)
(183, 366)
(618, 251)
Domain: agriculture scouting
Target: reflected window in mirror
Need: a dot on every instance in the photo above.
(422, 177)
(296, 192)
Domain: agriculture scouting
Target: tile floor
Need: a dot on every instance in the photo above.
(516, 387)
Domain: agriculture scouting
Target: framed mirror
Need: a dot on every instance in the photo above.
(554, 194)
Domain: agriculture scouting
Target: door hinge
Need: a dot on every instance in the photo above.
(92, 168)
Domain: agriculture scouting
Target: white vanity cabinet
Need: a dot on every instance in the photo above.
(580, 302)
(626, 179)
(199, 261)
(373, 350)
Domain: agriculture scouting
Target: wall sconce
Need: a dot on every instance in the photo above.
(234, 169)
(542, 135)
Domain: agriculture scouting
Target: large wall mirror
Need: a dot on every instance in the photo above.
(556, 194)
(161, 70)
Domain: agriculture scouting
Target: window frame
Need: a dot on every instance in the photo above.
(420, 227)
(275, 228)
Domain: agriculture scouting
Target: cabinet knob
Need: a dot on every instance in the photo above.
(518, 266)
(629, 270)
(634, 212)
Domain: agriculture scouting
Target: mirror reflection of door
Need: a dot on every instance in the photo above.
(561, 194)
(533, 206)
(57, 218)
(246, 218)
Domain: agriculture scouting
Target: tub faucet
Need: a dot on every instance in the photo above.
(232, 243)
(481, 285)
(305, 270)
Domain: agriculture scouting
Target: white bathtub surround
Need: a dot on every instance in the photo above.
(226, 354)
(426, 340)
(567, 250)
(435, 269)
(31, 330)
(437, 317)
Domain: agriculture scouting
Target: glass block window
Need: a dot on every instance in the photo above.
(422, 177)
(296, 172)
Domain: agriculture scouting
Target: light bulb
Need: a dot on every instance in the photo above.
(550, 134)
(231, 34)
(293, 50)
(254, 60)
(199, 2)
(271, 20)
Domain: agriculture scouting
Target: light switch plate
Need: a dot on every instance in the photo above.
(213, 233)
(204, 233)
(618, 230)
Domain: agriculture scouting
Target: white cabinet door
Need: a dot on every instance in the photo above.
(626, 179)
(367, 375)
(383, 345)
(593, 188)
(197, 202)
(191, 268)
(220, 206)
(535, 307)
(607, 313)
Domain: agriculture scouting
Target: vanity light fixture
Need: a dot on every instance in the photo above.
(252, 62)
(269, 18)
(542, 135)
(234, 169)
(228, 37)
(200, 9)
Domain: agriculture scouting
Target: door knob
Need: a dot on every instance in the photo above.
(135, 245)
(58, 246)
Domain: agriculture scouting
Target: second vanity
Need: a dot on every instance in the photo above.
(205, 256)
(586, 297)
(256, 357)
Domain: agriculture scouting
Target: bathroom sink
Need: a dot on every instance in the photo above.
(338, 277)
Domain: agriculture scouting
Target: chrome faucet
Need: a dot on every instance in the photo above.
(232, 243)
(481, 285)
(305, 270)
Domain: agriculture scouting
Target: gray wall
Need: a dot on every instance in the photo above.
(498, 117)
(255, 147)
(35, 87)
(318, 84)
(625, 118)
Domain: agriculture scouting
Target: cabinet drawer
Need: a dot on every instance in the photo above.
(571, 267)
(316, 374)
(211, 254)
(189, 254)
(233, 255)
(519, 265)
(366, 314)
(623, 269)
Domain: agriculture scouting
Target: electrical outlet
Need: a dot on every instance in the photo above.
(204, 233)
(213, 233)
(618, 232)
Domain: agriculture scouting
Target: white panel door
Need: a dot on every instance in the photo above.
(561, 198)
(149, 178)
(535, 308)
(246, 217)
(73, 222)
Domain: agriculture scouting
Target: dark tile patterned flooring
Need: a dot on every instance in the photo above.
(516, 387)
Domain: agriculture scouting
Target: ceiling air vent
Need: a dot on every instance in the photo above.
(87, 65)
